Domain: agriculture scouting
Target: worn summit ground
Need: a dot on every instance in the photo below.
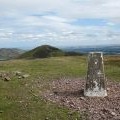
(69, 92)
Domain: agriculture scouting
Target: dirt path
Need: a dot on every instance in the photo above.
(69, 92)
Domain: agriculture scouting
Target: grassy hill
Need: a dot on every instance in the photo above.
(9, 53)
(43, 51)
(46, 51)
(20, 99)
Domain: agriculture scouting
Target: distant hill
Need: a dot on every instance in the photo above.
(109, 50)
(46, 51)
(43, 51)
(10, 53)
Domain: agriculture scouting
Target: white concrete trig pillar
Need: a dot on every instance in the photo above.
(95, 82)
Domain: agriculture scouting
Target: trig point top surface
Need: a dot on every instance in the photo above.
(96, 52)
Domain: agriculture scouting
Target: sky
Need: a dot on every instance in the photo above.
(30, 23)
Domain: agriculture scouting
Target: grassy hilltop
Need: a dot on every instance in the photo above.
(42, 52)
(20, 99)
(46, 51)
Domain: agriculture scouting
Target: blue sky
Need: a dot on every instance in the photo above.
(25, 23)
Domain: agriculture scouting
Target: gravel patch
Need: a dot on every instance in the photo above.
(69, 92)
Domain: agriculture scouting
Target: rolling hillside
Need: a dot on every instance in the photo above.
(46, 51)
(9, 53)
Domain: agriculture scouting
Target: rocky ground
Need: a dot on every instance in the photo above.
(69, 92)
(7, 76)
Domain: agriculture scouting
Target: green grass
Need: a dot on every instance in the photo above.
(20, 98)
(112, 67)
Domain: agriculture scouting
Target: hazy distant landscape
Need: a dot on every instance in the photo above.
(110, 50)
(12, 53)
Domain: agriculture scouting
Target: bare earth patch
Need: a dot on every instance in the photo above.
(69, 92)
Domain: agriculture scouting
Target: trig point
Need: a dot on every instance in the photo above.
(96, 82)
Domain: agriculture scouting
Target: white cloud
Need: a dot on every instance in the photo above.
(50, 21)
(80, 36)
(72, 9)
(68, 8)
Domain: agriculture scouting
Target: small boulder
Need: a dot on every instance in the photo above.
(20, 77)
(108, 89)
(113, 113)
(46, 118)
(7, 78)
(18, 73)
(25, 76)
(82, 98)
